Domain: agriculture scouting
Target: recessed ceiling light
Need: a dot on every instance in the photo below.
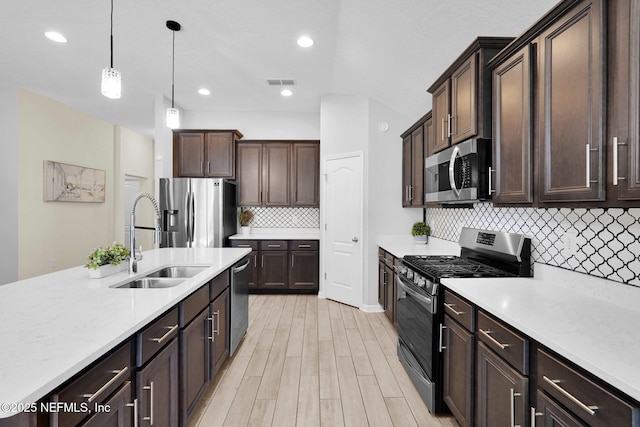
(204, 91)
(305, 41)
(55, 36)
(286, 92)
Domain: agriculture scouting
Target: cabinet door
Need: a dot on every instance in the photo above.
(406, 170)
(157, 389)
(220, 332)
(194, 366)
(464, 117)
(188, 151)
(416, 193)
(458, 371)
(382, 284)
(220, 155)
(513, 166)
(628, 156)
(304, 270)
(571, 107)
(253, 270)
(249, 174)
(305, 187)
(548, 413)
(276, 174)
(118, 410)
(441, 117)
(499, 389)
(274, 270)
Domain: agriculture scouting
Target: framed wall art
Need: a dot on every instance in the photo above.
(70, 183)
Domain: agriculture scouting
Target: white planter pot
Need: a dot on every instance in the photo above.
(245, 230)
(422, 240)
(107, 270)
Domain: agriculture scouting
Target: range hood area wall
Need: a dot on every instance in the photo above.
(598, 242)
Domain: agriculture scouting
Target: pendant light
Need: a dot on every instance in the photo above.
(173, 115)
(111, 78)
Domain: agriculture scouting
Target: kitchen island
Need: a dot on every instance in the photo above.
(56, 325)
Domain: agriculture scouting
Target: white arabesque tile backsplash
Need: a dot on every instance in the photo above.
(285, 217)
(599, 242)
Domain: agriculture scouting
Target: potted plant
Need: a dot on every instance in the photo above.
(245, 217)
(420, 232)
(106, 261)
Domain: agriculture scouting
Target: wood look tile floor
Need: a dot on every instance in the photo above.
(310, 362)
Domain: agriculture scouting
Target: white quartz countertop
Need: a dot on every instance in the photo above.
(279, 234)
(402, 244)
(591, 321)
(55, 325)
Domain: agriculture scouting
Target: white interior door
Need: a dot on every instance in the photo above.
(343, 204)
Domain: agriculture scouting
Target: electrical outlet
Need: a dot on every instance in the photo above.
(570, 239)
(52, 263)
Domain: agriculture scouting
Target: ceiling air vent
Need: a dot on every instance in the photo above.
(281, 82)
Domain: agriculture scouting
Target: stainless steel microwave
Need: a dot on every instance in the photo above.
(459, 174)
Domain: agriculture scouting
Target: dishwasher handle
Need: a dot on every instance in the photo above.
(242, 267)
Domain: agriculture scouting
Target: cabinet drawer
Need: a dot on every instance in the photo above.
(389, 258)
(304, 245)
(219, 284)
(253, 244)
(274, 245)
(193, 304)
(592, 403)
(94, 386)
(459, 310)
(156, 335)
(506, 342)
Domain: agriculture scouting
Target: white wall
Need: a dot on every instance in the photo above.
(9, 184)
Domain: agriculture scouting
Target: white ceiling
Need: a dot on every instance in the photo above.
(388, 50)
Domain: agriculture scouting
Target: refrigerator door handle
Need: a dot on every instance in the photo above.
(186, 216)
(192, 214)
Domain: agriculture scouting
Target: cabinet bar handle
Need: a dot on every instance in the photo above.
(150, 388)
(512, 406)
(534, 414)
(244, 246)
(201, 168)
(449, 132)
(591, 410)
(292, 262)
(135, 411)
(615, 160)
(411, 193)
(160, 340)
(213, 329)
(217, 314)
(441, 346)
(262, 261)
(255, 261)
(442, 130)
(118, 374)
(273, 246)
(450, 307)
(492, 339)
(208, 168)
(588, 166)
(491, 190)
(304, 246)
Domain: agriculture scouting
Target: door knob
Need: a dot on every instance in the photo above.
(355, 239)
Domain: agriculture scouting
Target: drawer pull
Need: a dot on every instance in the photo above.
(244, 246)
(273, 246)
(591, 410)
(150, 417)
(135, 411)
(304, 246)
(160, 340)
(119, 374)
(492, 339)
(450, 307)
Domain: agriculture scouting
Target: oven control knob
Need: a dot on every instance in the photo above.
(402, 270)
(409, 274)
(422, 282)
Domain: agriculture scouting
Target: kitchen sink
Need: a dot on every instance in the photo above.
(182, 271)
(152, 283)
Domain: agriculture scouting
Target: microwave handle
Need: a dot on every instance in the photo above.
(452, 164)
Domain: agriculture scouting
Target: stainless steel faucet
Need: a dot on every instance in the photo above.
(136, 255)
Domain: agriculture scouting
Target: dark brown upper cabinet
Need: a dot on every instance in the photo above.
(205, 153)
(462, 96)
(278, 173)
(512, 172)
(570, 101)
(414, 143)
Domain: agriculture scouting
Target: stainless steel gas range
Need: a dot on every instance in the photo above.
(484, 253)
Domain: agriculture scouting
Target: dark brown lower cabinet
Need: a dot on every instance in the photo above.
(194, 366)
(219, 337)
(157, 389)
(273, 274)
(390, 298)
(303, 273)
(502, 392)
(458, 371)
(549, 414)
(118, 410)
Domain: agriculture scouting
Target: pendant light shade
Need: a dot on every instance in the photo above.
(173, 115)
(111, 78)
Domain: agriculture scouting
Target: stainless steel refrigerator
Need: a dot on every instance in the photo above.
(197, 212)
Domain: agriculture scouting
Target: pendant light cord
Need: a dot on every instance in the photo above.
(111, 33)
(173, 65)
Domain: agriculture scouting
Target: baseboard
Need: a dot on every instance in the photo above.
(372, 308)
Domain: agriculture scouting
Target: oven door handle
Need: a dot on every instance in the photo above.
(423, 300)
(452, 169)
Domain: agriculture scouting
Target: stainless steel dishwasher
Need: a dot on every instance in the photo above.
(239, 303)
